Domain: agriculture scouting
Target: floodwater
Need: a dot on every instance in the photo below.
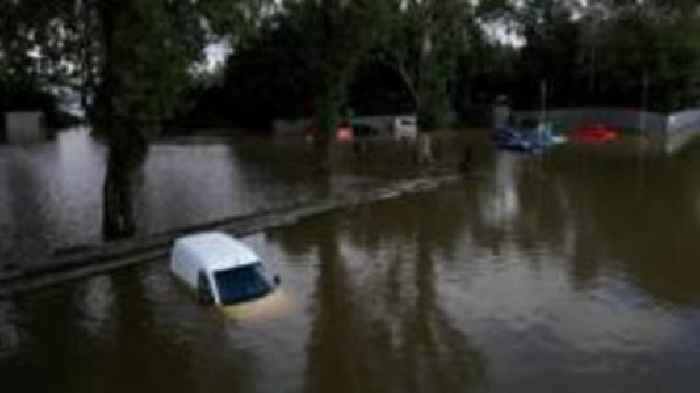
(51, 192)
(574, 272)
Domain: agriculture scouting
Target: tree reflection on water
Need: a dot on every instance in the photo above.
(378, 324)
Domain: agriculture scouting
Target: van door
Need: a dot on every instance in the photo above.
(204, 293)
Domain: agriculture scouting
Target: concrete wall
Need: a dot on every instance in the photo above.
(24, 127)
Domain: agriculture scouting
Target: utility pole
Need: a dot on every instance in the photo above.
(645, 93)
(543, 100)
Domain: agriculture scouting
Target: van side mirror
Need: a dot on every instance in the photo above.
(277, 280)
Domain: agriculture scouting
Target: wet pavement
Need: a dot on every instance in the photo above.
(576, 271)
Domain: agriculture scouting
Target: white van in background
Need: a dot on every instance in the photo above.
(405, 127)
(220, 269)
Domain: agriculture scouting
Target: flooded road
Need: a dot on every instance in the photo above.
(576, 272)
(51, 193)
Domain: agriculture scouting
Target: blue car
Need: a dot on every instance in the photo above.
(530, 140)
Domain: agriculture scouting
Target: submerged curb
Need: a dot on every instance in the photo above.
(108, 257)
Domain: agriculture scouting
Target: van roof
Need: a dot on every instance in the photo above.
(217, 250)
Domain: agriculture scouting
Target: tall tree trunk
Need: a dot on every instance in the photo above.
(118, 219)
(128, 148)
(328, 87)
(120, 118)
(327, 118)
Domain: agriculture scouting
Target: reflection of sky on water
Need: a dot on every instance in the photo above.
(51, 193)
(543, 331)
(611, 317)
(76, 182)
(95, 300)
(207, 179)
(7, 225)
(500, 199)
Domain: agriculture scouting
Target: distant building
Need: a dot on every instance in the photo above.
(24, 127)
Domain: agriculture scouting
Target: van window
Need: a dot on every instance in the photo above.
(242, 283)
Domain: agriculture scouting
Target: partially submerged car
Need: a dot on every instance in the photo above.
(220, 269)
(530, 137)
(595, 133)
(344, 132)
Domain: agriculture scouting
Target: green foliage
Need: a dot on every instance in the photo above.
(614, 53)
(273, 75)
(656, 51)
(550, 52)
(300, 62)
(423, 41)
(34, 37)
(599, 53)
(133, 57)
(318, 57)
(339, 36)
(148, 50)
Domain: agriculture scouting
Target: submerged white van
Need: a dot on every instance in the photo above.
(221, 269)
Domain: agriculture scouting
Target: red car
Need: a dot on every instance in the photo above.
(595, 133)
(344, 132)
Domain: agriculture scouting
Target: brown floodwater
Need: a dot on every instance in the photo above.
(578, 271)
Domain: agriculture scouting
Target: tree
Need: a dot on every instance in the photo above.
(271, 75)
(132, 57)
(650, 58)
(549, 57)
(422, 42)
(147, 50)
(137, 59)
(339, 34)
(33, 37)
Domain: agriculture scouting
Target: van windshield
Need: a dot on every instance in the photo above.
(242, 283)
